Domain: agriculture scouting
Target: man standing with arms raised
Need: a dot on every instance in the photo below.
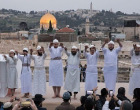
(72, 81)
(91, 70)
(55, 67)
(26, 76)
(110, 63)
(135, 69)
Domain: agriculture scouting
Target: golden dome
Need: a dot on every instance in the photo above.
(45, 19)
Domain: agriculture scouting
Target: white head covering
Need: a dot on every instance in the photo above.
(12, 50)
(38, 47)
(91, 46)
(111, 42)
(74, 47)
(26, 49)
(138, 45)
(55, 41)
(7, 105)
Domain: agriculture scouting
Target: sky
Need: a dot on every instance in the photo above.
(126, 6)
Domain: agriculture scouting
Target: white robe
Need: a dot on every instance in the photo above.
(39, 78)
(91, 71)
(3, 77)
(56, 74)
(26, 76)
(110, 67)
(12, 72)
(135, 72)
(72, 81)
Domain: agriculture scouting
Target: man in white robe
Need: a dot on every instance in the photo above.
(26, 76)
(12, 72)
(110, 64)
(91, 70)
(72, 81)
(56, 73)
(39, 78)
(135, 69)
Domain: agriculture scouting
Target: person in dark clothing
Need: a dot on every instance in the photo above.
(89, 104)
(82, 99)
(104, 93)
(121, 94)
(136, 103)
(38, 101)
(84, 72)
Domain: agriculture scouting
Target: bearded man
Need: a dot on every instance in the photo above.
(39, 78)
(135, 69)
(72, 81)
(110, 63)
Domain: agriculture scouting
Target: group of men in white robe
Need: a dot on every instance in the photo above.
(72, 80)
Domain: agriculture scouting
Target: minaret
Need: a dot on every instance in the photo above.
(91, 7)
(87, 26)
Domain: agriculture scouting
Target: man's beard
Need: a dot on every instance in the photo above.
(137, 53)
(39, 54)
(73, 53)
(111, 49)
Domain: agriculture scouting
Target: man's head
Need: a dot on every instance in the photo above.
(137, 50)
(74, 50)
(38, 99)
(104, 92)
(66, 96)
(92, 48)
(39, 51)
(25, 51)
(12, 53)
(89, 104)
(111, 45)
(137, 93)
(8, 106)
(121, 91)
(55, 43)
(83, 99)
(126, 105)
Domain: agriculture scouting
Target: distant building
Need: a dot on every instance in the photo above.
(66, 34)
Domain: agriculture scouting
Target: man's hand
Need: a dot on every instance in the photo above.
(95, 89)
(135, 46)
(16, 52)
(31, 50)
(33, 106)
(106, 40)
(65, 48)
(115, 98)
(108, 98)
(43, 49)
(5, 56)
(61, 44)
(51, 44)
(118, 40)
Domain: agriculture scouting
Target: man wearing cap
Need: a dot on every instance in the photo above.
(135, 69)
(26, 76)
(91, 70)
(110, 63)
(39, 79)
(8, 106)
(12, 71)
(55, 67)
(72, 81)
(66, 104)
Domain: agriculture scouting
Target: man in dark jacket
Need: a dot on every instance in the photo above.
(82, 99)
(66, 104)
(136, 103)
(121, 94)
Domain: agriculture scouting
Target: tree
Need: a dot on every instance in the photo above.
(50, 27)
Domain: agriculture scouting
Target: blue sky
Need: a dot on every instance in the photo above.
(127, 6)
